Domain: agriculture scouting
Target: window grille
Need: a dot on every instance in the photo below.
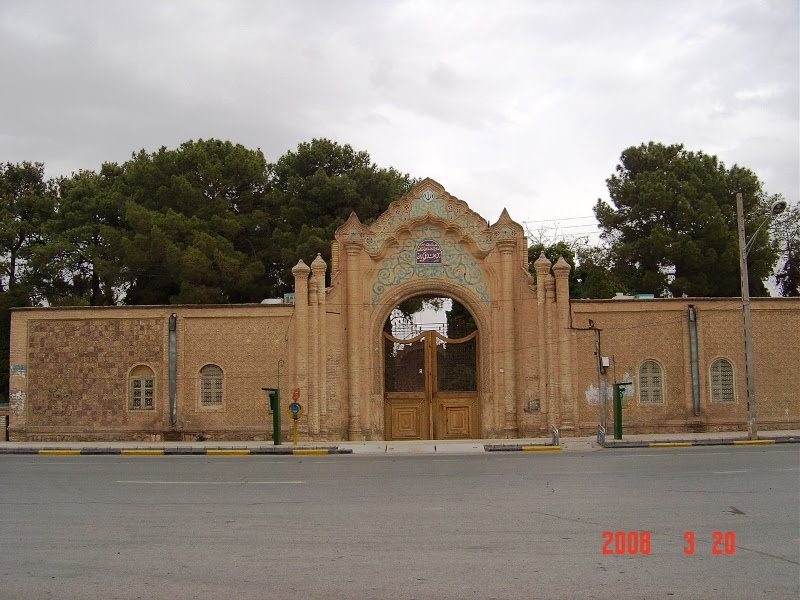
(211, 386)
(651, 383)
(141, 389)
(722, 389)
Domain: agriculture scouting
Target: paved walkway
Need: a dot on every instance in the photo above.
(568, 444)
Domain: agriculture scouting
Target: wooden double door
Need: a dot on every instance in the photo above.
(431, 387)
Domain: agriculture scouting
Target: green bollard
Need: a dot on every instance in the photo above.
(274, 396)
(619, 393)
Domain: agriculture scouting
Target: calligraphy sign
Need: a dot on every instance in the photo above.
(429, 252)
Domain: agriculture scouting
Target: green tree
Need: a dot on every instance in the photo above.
(199, 228)
(787, 234)
(672, 227)
(313, 191)
(27, 203)
(593, 274)
(81, 262)
(589, 276)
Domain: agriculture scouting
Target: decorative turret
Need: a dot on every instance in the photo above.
(542, 265)
(300, 269)
(318, 265)
(561, 268)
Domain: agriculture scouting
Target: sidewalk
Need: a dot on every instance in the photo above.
(419, 447)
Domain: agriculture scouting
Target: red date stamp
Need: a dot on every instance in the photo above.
(722, 542)
(626, 542)
(641, 542)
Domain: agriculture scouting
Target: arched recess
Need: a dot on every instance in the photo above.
(480, 313)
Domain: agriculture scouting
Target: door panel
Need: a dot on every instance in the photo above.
(406, 418)
(456, 416)
(456, 420)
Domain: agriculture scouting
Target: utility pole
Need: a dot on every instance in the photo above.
(752, 427)
(744, 247)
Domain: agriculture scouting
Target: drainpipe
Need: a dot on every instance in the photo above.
(173, 325)
(601, 396)
(694, 361)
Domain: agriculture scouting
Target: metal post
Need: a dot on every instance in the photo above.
(619, 393)
(274, 401)
(749, 371)
(601, 397)
(276, 418)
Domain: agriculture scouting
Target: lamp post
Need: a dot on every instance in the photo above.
(749, 370)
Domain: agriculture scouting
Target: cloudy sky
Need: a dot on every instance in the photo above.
(526, 104)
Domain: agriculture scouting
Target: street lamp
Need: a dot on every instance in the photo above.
(744, 247)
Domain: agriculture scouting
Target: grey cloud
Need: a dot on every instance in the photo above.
(529, 103)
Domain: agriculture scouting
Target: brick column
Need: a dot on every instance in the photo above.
(318, 268)
(554, 414)
(313, 358)
(542, 266)
(508, 361)
(569, 405)
(300, 272)
(354, 343)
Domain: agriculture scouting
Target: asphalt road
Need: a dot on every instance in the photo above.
(501, 525)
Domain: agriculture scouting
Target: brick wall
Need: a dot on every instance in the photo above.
(636, 330)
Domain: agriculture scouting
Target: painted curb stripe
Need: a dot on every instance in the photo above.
(539, 448)
(184, 451)
(310, 451)
(60, 452)
(669, 444)
(142, 452)
(752, 442)
(229, 452)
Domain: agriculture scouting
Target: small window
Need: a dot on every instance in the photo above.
(141, 388)
(722, 381)
(211, 386)
(651, 383)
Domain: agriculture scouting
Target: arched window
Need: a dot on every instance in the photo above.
(651, 383)
(211, 386)
(722, 381)
(141, 388)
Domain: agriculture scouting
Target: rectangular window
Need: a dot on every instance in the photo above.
(212, 393)
(141, 393)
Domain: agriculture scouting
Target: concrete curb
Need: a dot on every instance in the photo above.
(175, 451)
(520, 448)
(709, 442)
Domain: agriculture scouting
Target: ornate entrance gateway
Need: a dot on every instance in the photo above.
(505, 375)
(431, 388)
